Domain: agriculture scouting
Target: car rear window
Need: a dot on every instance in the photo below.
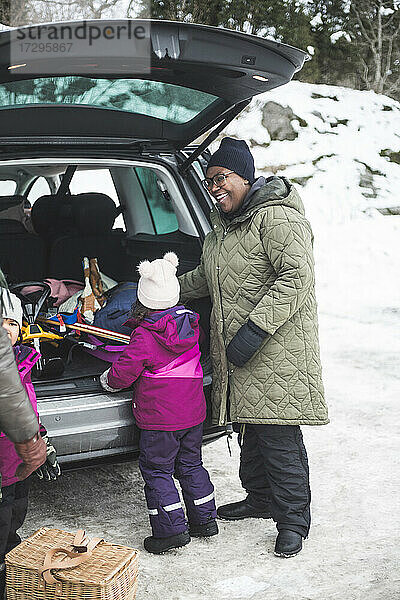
(151, 98)
(7, 187)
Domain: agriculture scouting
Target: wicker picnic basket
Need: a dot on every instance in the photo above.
(52, 565)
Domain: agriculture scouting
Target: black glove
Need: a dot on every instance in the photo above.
(245, 343)
(50, 470)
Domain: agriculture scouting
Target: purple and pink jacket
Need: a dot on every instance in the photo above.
(163, 359)
(25, 358)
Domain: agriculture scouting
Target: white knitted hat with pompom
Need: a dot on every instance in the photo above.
(12, 308)
(158, 286)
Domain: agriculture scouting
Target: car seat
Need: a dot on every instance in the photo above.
(80, 225)
(53, 216)
(16, 200)
(22, 254)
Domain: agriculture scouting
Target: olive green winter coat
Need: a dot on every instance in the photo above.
(260, 266)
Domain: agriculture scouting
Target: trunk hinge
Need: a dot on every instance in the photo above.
(229, 116)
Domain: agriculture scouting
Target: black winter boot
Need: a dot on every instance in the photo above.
(159, 545)
(204, 530)
(241, 510)
(288, 543)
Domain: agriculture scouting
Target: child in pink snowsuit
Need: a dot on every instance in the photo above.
(163, 360)
(14, 500)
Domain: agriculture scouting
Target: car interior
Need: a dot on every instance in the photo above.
(53, 215)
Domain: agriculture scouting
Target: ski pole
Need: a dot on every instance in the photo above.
(91, 329)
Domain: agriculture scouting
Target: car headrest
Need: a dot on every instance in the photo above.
(94, 213)
(52, 216)
(9, 201)
(83, 214)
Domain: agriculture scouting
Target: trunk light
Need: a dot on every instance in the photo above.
(11, 67)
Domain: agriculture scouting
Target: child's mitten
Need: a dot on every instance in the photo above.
(104, 382)
(50, 470)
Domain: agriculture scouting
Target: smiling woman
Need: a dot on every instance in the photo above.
(257, 266)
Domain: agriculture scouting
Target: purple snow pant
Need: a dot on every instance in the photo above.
(167, 453)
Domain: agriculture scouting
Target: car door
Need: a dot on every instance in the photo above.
(161, 92)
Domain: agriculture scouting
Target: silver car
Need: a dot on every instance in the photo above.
(110, 120)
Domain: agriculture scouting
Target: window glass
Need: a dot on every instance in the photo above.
(97, 180)
(199, 169)
(165, 101)
(40, 188)
(7, 187)
(158, 200)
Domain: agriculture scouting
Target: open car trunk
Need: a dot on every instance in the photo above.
(159, 90)
(149, 216)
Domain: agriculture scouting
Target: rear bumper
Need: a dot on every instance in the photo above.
(96, 428)
(89, 424)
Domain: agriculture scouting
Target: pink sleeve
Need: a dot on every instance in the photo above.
(130, 364)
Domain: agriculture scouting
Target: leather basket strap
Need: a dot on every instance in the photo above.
(82, 543)
(80, 540)
(82, 551)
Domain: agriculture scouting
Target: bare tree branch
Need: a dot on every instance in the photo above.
(379, 49)
(56, 10)
(360, 22)
(364, 73)
(394, 87)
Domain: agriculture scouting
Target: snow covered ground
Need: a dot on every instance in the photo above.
(353, 549)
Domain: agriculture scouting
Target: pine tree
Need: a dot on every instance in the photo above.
(207, 13)
(253, 16)
(13, 12)
(5, 12)
(295, 29)
(333, 52)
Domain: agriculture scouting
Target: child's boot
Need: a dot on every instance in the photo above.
(159, 545)
(204, 529)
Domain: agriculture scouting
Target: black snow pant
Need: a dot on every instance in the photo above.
(274, 473)
(13, 509)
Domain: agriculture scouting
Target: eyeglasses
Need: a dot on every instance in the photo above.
(218, 180)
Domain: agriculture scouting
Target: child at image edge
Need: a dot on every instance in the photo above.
(14, 502)
(169, 407)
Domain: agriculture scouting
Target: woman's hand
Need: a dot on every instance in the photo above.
(245, 343)
(33, 454)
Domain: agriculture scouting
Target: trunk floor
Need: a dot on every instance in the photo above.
(81, 365)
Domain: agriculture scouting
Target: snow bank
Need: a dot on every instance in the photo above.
(341, 136)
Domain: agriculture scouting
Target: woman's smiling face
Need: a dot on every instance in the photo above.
(229, 195)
